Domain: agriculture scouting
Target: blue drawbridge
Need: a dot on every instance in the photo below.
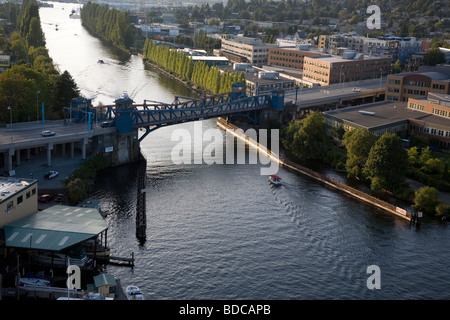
(128, 116)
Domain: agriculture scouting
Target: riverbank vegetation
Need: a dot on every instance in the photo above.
(109, 23)
(33, 79)
(81, 180)
(195, 74)
(383, 163)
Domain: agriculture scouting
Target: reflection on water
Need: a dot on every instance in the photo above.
(221, 231)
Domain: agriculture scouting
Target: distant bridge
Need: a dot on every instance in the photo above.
(128, 116)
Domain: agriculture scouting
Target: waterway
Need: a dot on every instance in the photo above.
(220, 231)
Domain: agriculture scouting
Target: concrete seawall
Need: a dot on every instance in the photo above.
(357, 194)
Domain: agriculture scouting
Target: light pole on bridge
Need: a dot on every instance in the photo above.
(37, 105)
(10, 120)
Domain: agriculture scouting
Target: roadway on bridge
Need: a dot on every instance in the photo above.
(317, 95)
(27, 132)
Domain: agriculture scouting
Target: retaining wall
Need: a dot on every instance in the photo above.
(355, 193)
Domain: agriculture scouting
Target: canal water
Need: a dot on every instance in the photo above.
(220, 231)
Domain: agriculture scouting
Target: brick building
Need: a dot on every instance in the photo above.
(330, 69)
(418, 84)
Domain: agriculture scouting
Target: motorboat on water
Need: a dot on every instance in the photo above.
(134, 293)
(275, 180)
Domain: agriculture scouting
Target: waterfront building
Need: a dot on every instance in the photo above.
(244, 49)
(211, 60)
(289, 57)
(262, 80)
(351, 66)
(435, 104)
(18, 199)
(398, 117)
(402, 86)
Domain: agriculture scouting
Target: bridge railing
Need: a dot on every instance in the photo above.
(207, 108)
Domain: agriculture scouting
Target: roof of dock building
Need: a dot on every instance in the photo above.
(55, 228)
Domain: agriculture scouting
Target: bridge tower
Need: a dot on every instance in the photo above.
(126, 147)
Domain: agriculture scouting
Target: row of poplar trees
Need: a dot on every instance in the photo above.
(111, 24)
(209, 78)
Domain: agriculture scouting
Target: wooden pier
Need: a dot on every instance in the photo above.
(123, 261)
(141, 214)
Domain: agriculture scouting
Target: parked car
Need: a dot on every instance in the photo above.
(46, 197)
(356, 89)
(59, 198)
(107, 124)
(47, 133)
(51, 174)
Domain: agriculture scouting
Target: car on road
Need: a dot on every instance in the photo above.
(59, 197)
(51, 174)
(46, 197)
(107, 124)
(356, 89)
(47, 133)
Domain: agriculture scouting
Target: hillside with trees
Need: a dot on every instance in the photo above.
(33, 75)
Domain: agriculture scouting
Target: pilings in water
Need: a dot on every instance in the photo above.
(141, 218)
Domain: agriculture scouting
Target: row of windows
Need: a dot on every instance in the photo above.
(418, 84)
(437, 132)
(19, 200)
(313, 77)
(394, 81)
(288, 54)
(286, 59)
(323, 73)
(416, 106)
(441, 112)
(438, 86)
(287, 65)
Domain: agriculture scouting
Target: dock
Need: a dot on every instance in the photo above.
(123, 261)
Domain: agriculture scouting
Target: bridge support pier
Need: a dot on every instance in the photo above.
(72, 150)
(17, 157)
(10, 158)
(49, 154)
(83, 148)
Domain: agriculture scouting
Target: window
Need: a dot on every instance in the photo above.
(33, 192)
(28, 194)
(9, 206)
(19, 200)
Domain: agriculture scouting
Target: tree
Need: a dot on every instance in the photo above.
(387, 161)
(426, 199)
(358, 143)
(77, 190)
(66, 90)
(35, 36)
(396, 67)
(434, 57)
(311, 141)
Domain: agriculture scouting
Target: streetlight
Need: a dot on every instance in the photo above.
(10, 119)
(37, 105)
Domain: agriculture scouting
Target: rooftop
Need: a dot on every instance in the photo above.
(384, 113)
(55, 228)
(375, 114)
(10, 186)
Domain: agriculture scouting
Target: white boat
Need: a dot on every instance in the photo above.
(77, 257)
(34, 282)
(275, 180)
(134, 293)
